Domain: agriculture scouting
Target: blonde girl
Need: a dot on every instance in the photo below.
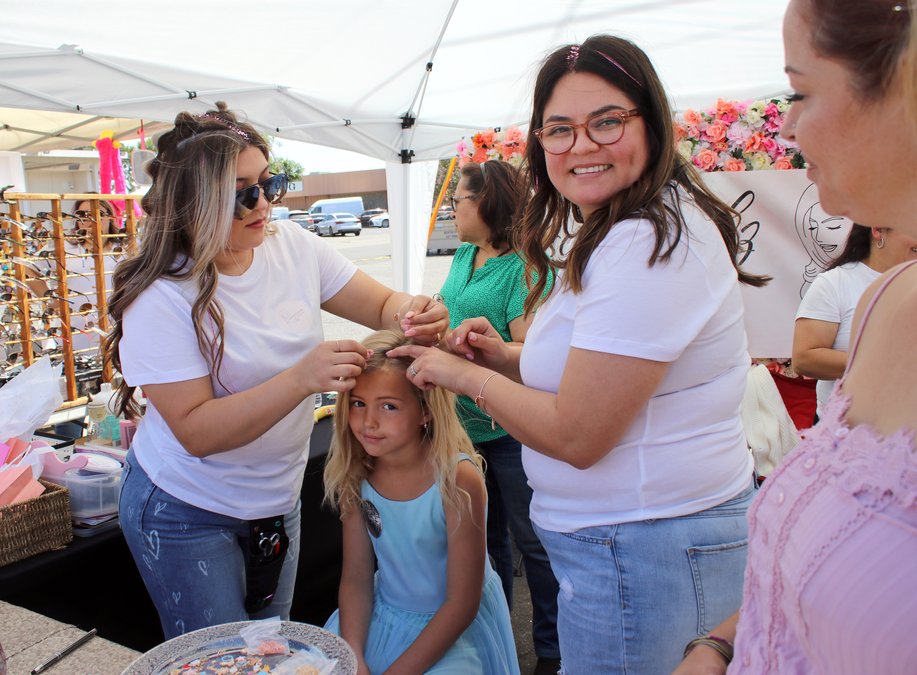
(408, 484)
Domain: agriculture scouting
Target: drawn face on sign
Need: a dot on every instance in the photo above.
(822, 235)
(827, 233)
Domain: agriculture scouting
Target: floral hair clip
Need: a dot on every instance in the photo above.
(572, 57)
(226, 123)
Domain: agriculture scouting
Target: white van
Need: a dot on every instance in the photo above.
(351, 205)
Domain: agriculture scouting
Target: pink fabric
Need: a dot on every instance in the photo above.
(831, 581)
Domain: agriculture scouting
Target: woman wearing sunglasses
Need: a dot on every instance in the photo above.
(626, 392)
(218, 319)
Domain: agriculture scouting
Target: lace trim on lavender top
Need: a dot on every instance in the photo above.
(868, 459)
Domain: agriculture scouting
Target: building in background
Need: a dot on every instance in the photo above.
(370, 185)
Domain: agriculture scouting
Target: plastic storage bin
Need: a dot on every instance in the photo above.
(92, 494)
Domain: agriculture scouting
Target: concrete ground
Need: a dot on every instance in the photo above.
(521, 616)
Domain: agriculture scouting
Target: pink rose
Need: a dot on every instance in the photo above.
(733, 164)
(479, 156)
(783, 163)
(726, 111)
(716, 131)
(706, 160)
(693, 118)
(514, 135)
(772, 124)
(754, 143)
(720, 146)
(680, 132)
(507, 150)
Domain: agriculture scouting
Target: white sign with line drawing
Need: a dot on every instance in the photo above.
(785, 234)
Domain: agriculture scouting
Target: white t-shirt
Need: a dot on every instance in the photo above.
(686, 450)
(272, 318)
(833, 296)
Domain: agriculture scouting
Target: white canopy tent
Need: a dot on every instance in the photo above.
(402, 81)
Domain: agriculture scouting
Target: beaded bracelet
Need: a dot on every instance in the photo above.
(719, 645)
(479, 401)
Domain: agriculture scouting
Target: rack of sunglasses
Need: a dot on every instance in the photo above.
(55, 279)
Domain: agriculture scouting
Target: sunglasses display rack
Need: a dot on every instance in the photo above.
(55, 279)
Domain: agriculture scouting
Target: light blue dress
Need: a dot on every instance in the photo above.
(410, 586)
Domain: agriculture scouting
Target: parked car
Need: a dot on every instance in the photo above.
(338, 224)
(367, 214)
(280, 213)
(303, 219)
(444, 238)
(380, 220)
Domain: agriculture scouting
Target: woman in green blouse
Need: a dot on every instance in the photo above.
(487, 279)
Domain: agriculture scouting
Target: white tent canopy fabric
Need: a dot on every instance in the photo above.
(345, 74)
(392, 80)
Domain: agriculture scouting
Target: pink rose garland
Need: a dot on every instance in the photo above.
(737, 136)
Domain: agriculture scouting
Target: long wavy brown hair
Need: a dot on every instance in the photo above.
(189, 213)
(544, 226)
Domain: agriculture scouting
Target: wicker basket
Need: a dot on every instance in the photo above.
(35, 525)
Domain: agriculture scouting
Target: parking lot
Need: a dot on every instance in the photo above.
(372, 253)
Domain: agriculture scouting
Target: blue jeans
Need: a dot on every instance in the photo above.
(190, 559)
(632, 595)
(508, 498)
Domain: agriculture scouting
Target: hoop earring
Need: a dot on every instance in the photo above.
(880, 243)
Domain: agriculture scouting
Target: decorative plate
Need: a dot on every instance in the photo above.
(210, 645)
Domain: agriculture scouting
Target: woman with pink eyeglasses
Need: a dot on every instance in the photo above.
(626, 392)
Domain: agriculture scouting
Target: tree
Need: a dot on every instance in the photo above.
(441, 172)
(293, 170)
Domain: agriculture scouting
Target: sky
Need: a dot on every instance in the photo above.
(320, 158)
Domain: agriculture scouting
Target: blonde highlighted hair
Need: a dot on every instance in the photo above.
(445, 438)
(189, 219)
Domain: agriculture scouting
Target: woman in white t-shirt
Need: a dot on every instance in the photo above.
(218, 318)
(825, 315)
(626, 393)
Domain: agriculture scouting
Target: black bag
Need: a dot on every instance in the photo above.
(265, 550)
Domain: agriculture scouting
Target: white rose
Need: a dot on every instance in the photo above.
(759, 161)
(685, 148)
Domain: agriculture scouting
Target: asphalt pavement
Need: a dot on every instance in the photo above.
(372, 253)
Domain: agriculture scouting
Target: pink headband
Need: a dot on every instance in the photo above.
(573, 58)
(226, 123)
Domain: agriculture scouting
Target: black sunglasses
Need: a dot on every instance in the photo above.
(274, 188)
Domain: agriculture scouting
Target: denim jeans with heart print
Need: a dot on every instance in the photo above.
(190, 559)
